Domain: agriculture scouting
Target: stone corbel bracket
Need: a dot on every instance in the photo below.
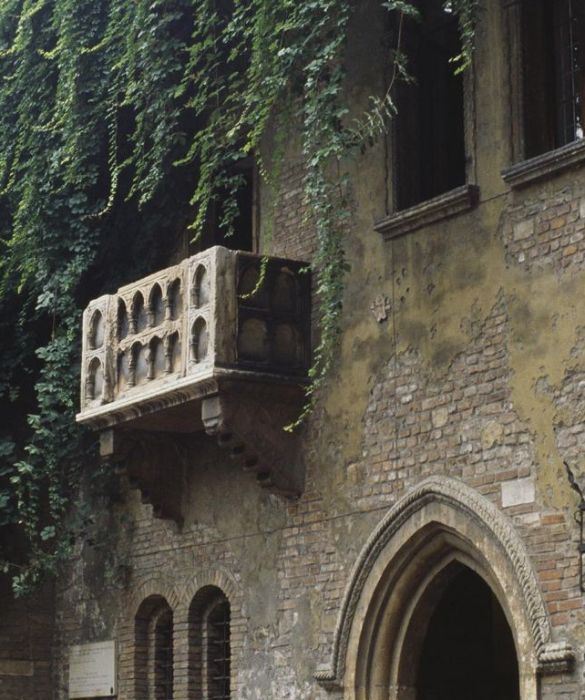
(245, 416)
(556, 657)
(252, 428)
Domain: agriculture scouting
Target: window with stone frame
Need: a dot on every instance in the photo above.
(553, 73)
(210, 645)
(429, 152)
(153, 644)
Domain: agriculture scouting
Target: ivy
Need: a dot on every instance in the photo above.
(120, 122)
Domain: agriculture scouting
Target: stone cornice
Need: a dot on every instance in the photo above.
(428, 212)
(146, 401)
(545, 165)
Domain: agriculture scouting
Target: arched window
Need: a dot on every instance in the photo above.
(199, 340)
(200, 287)
(210, 645)
(153, 660)
(156, 309)
(174, 300)
(139, 316)
(162, 655)
(96, 330)
(95, 380)
(123, 324)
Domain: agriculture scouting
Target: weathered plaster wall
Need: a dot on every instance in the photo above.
(478, 373)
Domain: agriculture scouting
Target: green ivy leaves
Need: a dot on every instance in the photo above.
(119, 124)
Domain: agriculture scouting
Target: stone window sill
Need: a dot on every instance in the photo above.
(428, 212)
(545, 165)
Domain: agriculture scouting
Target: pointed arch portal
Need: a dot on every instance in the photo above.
(461, 645)
(443, 604)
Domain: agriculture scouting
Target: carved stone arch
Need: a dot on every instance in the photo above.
(156, 308)
(138, 313)
(97, 330)
(439, 521)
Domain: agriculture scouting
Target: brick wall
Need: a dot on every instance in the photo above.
(26, 639)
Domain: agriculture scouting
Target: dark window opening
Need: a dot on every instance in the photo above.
(153, 649)
(240, 179)
(468, 652)
(553, 51)
(209, 645)
(218, 651)
(430, 136)
(163, 657)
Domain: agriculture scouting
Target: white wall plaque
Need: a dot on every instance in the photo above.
(518, 492)
(92, 670)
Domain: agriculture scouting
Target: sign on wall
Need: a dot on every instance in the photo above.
(92, 670)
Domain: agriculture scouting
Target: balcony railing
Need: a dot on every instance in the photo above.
(220, 313)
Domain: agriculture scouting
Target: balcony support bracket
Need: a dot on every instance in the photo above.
(252, 431)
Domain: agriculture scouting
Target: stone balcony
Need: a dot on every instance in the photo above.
(203, 346)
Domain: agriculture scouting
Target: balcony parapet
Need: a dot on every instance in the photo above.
(200, 346)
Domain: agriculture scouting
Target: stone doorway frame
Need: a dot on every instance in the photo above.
(439, 522)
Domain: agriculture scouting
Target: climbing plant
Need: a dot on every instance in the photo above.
(119, 124)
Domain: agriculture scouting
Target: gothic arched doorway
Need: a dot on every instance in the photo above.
(466, 649)
(439, 542)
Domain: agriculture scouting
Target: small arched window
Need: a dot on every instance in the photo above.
(200, 287)
(217, 649)
(199, 340)
(139, 315)
(153, 644)
(139, 366)
(156, 359)
(95, 380)
(175, 300)
(173, 353)
(96, 330)
(156, 309)
(210, 645)
(123, 325)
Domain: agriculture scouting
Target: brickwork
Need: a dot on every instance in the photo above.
(548, 228)
(26, 640)
(466, 426)
(288, 231)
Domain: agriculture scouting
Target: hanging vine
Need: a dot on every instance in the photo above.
(119, 121)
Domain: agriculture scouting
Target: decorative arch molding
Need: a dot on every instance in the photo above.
(217, 577)
(153, 586)
(498, 533)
